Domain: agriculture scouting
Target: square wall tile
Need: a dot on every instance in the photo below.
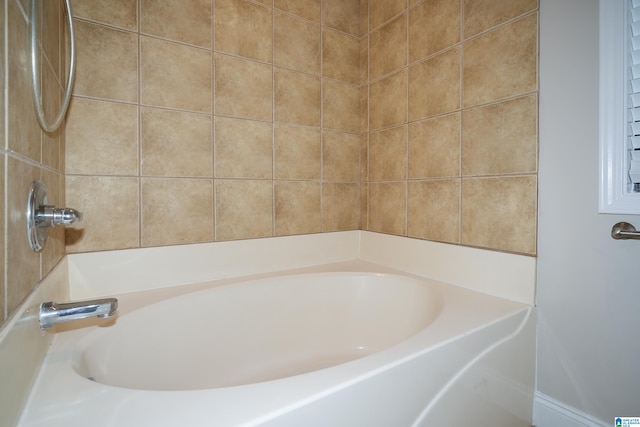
(297, 98)
(22, 129)
(166, 199)
(244, 209)
(340, 156)
(175, 75)
(388, 207)
(343, 15)
(434, 147)
(434, 210)
(434, 25)
(340, 106)
(388, 101)
(54, 248)
(381, 11)
(340, 56)
(297, 152)
(500, 213)
(244, 28)
(388, 154)
(510, 52)
(243, 149)
(481, 15)
(388, 48)
(296, 44)
(308, 9)
(118, 13)
(106, 62)
(434, 85)
(243, 88)
(297, 207)
(101, 138)
(110, 208)
(340, 206)
(187, 21)
(176, 143)
(501, 138)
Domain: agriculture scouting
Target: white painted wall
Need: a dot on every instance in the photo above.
(588, 289)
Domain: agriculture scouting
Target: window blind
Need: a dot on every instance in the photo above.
(633, 94)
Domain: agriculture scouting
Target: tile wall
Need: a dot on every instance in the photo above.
(451, 114)
(201, 120)
(26, 153)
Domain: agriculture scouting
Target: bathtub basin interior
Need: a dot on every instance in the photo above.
(257, 331)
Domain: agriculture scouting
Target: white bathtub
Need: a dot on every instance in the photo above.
(344, 348)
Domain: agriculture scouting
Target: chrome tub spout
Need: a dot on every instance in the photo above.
(52, 313)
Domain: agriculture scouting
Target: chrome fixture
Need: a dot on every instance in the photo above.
(35, 69)
(52, 313)
(40, 216)
(624, 230)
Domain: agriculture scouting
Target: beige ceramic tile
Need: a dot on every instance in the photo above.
(2, 101)
(434, 86)
(176, 143)
(434, 210)
(434, 25)
(106, 62)
(481, 15)
(22, 264)
(51, 100)
(243, 88)
(244, 209)
(340, 206)
(296, 43)
(267, 2)
(119, 13)
(388, 47)
(381, 11)
(166, 199)
(102, 138)
(364, 206)
(340, 56)
(364, 17)
(308, 9)
(175, 75)
(297, 207)
(297, 152)
(388, 154)
(187, 21)
(343, 15)
(387, 207)
(500, 213)
(50, 31)
(364, 60)
(510, 52)
(434, 147)
(364, 157)
(297, 98)
(244, 28)
(340, 156)
(243, 149)
(340, 106)
(501, 138)
(388, 101)
(23, 131)
(110, 210)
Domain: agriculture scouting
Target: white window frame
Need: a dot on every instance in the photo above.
(614, 166)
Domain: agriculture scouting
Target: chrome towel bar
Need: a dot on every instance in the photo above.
(624, 230)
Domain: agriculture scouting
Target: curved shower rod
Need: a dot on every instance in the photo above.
(35, 70)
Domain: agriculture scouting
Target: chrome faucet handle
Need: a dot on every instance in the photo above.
(50, 216)
(41, 216)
